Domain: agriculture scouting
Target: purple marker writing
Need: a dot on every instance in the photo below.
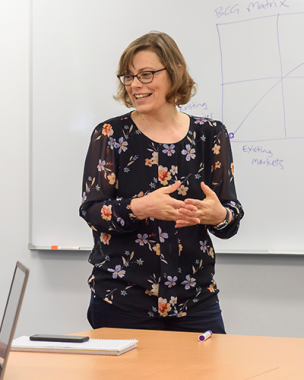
(205, 336)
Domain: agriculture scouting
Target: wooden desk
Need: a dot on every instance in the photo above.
(169, 355)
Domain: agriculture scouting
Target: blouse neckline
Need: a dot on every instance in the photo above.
(162, 143)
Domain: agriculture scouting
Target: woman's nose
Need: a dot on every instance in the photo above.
(136, 82)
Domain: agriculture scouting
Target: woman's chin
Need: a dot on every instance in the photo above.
(143, 109)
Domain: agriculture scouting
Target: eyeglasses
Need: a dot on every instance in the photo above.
(144, 77)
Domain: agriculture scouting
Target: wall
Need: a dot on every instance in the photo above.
(260, 294)
(57, 296)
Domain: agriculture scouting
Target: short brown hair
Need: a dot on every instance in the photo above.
(183, 87)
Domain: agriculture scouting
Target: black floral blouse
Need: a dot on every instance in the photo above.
(149, 267)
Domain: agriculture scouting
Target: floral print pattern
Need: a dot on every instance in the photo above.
(148, 267)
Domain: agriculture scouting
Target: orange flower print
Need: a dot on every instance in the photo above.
(232, 168)
(217, 165)
(156, 248)
(107, 130)
(216, 149)
(181, 314)
(163, 307)
(105, 238)
(163, 175)
(210, 252)
(180, 248)
(106, 212)
(153, 291)
(112, 178)
(153, 160)
(149, 162)
(212, 287)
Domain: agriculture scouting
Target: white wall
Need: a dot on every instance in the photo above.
(260, 295)
(57, 295)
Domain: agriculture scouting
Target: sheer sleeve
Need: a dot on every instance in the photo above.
(223, 180)
(101, 208)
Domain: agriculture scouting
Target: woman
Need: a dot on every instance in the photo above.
(155, 182)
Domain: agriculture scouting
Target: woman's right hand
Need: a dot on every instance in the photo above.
(160, 205)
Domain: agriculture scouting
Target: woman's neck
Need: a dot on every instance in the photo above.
(166, 127)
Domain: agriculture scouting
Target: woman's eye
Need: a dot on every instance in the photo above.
(145, 74)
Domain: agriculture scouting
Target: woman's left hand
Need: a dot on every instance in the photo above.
(209, 210)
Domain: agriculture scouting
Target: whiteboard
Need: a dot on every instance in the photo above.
(248, 61)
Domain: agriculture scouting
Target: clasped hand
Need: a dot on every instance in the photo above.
(208, 211)
(160, 205)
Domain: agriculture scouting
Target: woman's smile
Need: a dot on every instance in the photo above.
(141, 96)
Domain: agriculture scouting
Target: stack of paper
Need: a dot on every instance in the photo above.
(92, 346)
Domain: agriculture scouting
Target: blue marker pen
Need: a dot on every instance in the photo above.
(205, 336)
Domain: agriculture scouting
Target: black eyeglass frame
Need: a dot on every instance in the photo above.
(130, 75)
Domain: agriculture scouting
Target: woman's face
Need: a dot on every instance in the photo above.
(150, 98)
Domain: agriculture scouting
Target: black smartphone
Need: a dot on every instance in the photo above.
(59, 338)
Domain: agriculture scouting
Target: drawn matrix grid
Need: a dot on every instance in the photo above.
(262, 64)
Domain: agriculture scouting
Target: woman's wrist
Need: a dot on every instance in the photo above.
(224, 223)
(138, 208)
(230, 215)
